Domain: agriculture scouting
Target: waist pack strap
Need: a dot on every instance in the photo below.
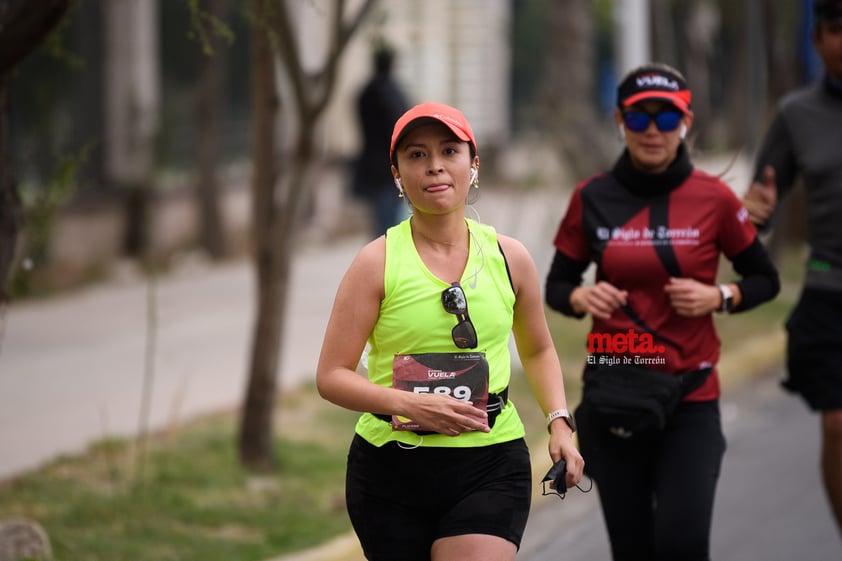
(691, 381)
(496, 403)
(687, 381)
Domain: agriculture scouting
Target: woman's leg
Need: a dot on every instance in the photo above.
(623, 471)
(689, 462)
(473, 547)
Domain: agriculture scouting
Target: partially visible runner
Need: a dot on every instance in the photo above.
(656, 228)
(439, 469)
(805, 139)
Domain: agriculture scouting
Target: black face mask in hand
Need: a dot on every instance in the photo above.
(557, 475)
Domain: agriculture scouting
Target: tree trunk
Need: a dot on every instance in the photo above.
(208, 105)
(278, 206)
(11, 213)
(664, 47)
(23, 26)
(256, 447)
(569, 89)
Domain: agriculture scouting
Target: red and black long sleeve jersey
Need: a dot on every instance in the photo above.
(641, 229)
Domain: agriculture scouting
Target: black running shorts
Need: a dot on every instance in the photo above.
(401, 500)
(814, 349)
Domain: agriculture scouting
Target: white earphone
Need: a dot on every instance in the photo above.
(622, 130)
(398, 184)
(473, 176)
(682, 132)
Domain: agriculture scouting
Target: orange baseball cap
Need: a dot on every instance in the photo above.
(431, 111)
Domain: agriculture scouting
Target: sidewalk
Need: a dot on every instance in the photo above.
(72, 367)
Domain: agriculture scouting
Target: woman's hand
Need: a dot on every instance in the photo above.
(599, 300)
(691, 298)
(561, 445)
(443, 414)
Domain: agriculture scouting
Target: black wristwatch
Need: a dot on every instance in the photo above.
(726, 304)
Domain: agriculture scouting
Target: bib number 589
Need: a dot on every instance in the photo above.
(459, 392)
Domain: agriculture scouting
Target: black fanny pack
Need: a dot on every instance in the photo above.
(496, 403)
(630, 400)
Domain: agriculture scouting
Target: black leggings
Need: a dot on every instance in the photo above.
(657, 495)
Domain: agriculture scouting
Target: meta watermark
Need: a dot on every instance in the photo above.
(628, 343)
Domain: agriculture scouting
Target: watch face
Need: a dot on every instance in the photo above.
(570, 422)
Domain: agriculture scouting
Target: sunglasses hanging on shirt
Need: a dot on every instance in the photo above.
(464, 334)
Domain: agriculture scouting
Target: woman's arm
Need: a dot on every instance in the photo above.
(760, 281)
(538, 355)
(564, 277)
(565, 294)
(354, 313)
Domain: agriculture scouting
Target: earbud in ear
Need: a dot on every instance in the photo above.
(473, 176)
(398, 184)
(682, 132)
(622, 130)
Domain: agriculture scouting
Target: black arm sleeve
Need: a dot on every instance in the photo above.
(565, 275)
(760, 281)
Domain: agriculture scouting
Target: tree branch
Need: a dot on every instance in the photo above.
(312, 92)
(24, 26)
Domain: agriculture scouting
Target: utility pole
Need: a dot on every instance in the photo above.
(633, 45)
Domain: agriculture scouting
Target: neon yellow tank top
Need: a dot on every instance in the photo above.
(412, 320)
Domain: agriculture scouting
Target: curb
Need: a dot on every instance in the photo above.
(756, 357)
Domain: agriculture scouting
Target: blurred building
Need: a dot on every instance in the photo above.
(125, 86)
(454, 52)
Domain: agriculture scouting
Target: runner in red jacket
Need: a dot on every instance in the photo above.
(655, 228)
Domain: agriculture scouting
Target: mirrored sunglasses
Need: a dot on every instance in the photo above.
(454, 302)
(638, 121)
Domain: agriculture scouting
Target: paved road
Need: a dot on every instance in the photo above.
(769, 506)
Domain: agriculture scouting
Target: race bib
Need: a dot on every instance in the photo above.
(459, 375)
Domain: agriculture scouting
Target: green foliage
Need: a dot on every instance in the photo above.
(204, 26)
(41, 205)
(55, 45)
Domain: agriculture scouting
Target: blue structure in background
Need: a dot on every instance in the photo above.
(811, 66)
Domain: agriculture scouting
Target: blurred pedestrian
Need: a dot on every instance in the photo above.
(649, 422)
(805, 139)
(438, 467)
(379, 105)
